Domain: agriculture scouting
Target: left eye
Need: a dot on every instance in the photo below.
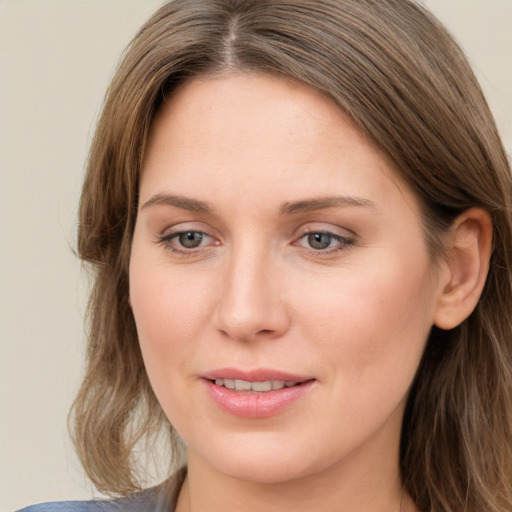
(320, 241)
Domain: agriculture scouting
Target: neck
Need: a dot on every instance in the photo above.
(348, 487)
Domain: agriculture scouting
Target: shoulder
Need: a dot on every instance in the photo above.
(157, 499)
(135, 503)
(72, 506)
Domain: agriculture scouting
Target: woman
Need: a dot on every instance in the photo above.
(299, 217)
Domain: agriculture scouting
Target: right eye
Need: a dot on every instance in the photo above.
(183, 242)
(190, 239)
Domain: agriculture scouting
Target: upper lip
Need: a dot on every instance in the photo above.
(254, 375)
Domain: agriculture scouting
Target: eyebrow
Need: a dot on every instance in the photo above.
(184, 203)
(309, 205)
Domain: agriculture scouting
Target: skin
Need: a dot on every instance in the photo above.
(255, 294)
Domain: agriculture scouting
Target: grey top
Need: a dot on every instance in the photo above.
(157, 499)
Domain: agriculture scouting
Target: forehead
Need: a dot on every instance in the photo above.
(245, 104)
(252, 132)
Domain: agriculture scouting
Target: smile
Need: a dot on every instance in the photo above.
(258, 393)
(259, 387)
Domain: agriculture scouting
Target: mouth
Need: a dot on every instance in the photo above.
(258, 393)
(254, 386)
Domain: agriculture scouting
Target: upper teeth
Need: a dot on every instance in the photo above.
(244, 385)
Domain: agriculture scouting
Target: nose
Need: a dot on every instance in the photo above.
(251, 302)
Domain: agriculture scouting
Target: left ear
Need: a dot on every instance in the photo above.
(468, 250)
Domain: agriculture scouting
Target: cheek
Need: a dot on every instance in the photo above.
(169, 313)
(373, 324)
(170, 308)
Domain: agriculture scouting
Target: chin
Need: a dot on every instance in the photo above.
(260, 462)
(263, 471)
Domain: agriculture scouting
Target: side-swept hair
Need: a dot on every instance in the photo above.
(391, 67)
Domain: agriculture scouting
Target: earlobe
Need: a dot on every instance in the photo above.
(468, 251)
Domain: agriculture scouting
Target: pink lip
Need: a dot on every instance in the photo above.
(253, 404)
(256, 375)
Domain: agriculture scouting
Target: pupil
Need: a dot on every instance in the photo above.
(191, 239)
(319, 240)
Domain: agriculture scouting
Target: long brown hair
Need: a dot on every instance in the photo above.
(400, 76)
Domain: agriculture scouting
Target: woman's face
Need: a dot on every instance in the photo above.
(276, 251)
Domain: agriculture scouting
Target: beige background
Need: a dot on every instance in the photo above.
(56, 57)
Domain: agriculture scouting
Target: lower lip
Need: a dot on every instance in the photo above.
(254, 404)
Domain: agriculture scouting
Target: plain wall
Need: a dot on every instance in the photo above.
(56, 58)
